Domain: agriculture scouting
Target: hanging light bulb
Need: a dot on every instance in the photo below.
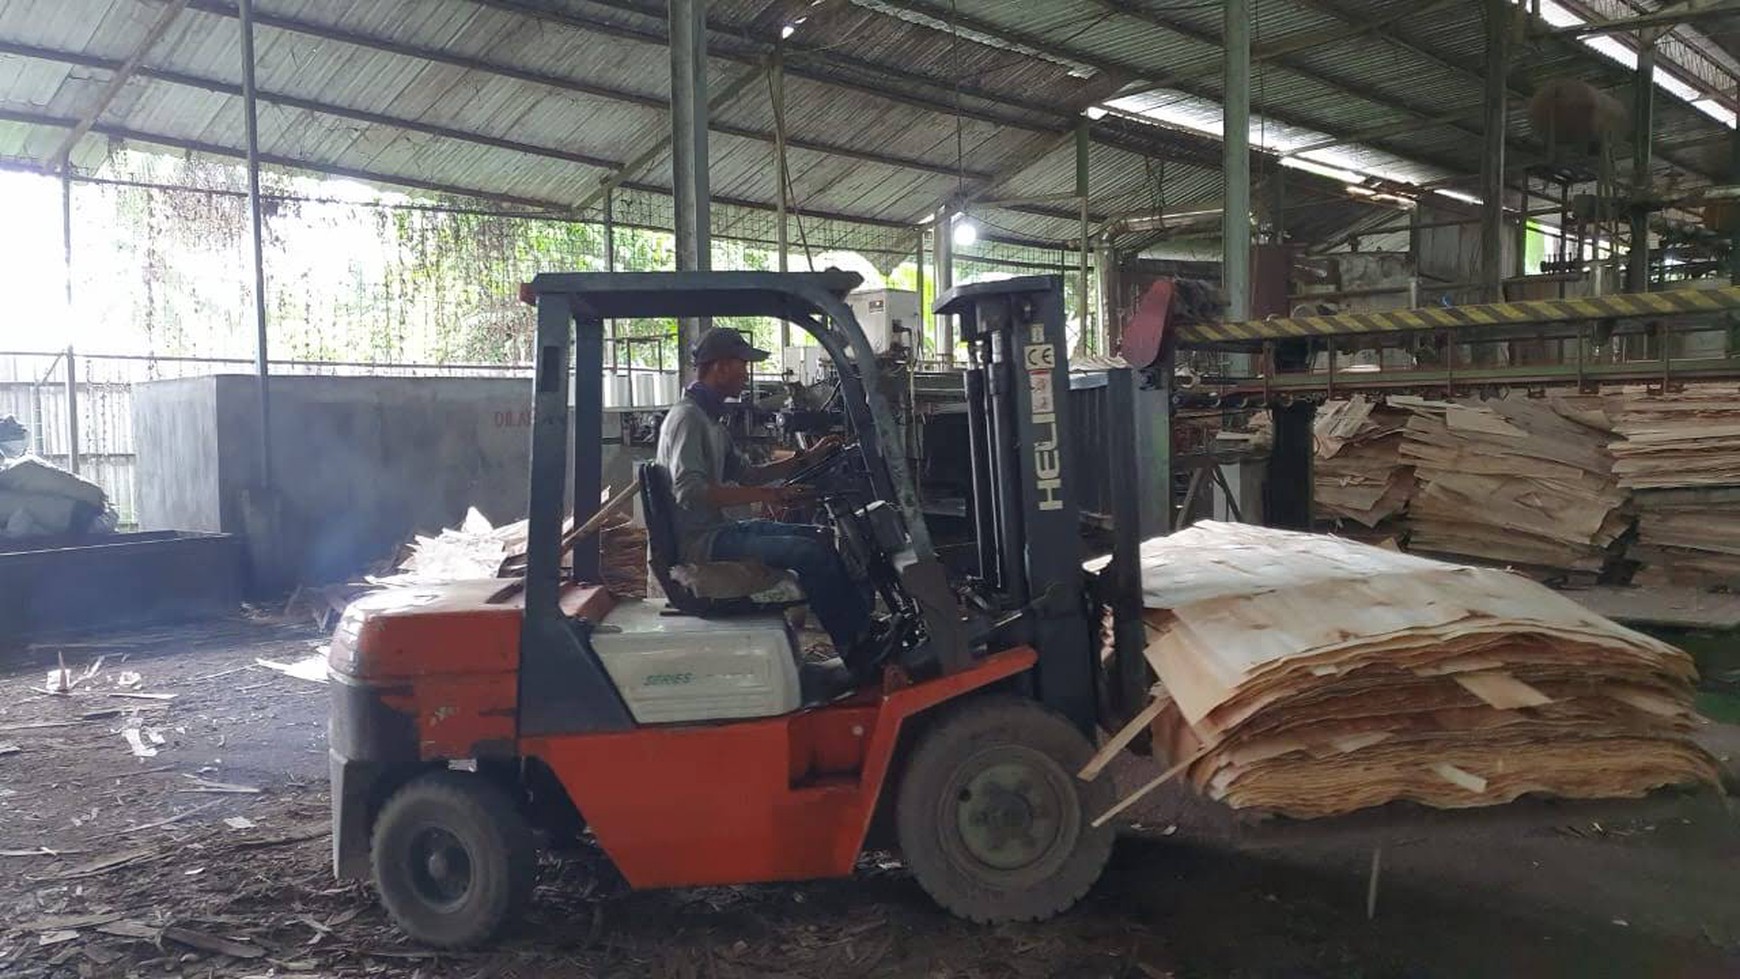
(966, 232)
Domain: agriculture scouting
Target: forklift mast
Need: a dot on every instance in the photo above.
(1025, 498)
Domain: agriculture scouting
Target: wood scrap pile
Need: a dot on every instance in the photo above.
(475, 549)
(1679, 451)
(622, 557)
(1310, 676)
(1511, 480)
(1360, 475)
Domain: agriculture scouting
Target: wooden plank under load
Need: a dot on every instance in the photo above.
(1311, 676)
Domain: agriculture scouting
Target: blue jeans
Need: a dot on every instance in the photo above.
(804, 550)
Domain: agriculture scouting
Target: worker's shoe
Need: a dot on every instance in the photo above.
(823, 681)
(875, 643)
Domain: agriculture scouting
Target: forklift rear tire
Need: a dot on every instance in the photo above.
(453, 858)
(991, 818)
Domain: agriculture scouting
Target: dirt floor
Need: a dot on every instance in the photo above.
(116, 865)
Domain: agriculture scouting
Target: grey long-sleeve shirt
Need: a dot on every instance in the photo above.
(697, 450)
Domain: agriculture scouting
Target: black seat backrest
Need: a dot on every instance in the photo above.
(665, 549)
(659, 502)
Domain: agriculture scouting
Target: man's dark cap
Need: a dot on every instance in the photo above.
(722, 343)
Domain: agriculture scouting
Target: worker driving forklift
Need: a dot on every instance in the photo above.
(709, 474)
(472, 723)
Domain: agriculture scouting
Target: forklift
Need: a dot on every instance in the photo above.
(472, 723)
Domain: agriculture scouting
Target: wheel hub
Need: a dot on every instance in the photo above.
(1008, 815)
(440, 867)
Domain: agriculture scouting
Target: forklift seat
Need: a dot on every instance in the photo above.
(711, 588)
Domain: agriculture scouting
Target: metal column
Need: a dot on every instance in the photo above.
(1733, 177)
(1236, 164)
(72, 412)
(920, 340)
(72, 385)
(609, 231)
(1106, 262)
(782, 175)
(1643, 121)
(1519, 262)
(250, 118)
(943, 258)
(1083, 305)
(688, 33)
(1492, 154)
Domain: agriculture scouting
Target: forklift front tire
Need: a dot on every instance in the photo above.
(991, 818)
(453, 859)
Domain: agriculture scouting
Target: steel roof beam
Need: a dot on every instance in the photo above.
(563, 83)
(1671, 15)
(1129, 71)
(729, 45)
(117, 81)
(554, 210)
(1292, 65)
(734, 45)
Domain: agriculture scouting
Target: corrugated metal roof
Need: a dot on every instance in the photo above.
(893, 106)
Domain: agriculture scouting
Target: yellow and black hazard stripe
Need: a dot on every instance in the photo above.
(1684, 301)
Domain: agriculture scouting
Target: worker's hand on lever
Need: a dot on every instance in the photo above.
(827, 446)
(790, 494)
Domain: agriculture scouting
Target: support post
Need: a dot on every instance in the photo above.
(72, 412)
(1236, 165)
(72, 389)
(1083, 304)
(1519, 263)
(943, 255)
(921, 341)
(250, 118)
(1492, 156)
(1643, 124)
(1734, 234)
(1287, 487)
(1111, 325)
(783, 176)
(610, 231)
(690, 189)
(66, 240)
(610, 266)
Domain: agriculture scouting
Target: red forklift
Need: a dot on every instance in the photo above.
(472, 723)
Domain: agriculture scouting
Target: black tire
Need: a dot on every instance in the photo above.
(991, 818)
(453, 859)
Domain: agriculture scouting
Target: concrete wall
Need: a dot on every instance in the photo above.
(177, 482)
(359, 464)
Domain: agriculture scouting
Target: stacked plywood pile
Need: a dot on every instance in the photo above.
(1680, 454)
(1311, 676)
(1511, 480)
(1359, 477)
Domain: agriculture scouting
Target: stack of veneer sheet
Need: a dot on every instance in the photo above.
(1511, 480)
(1359, 476)
(1679, 452)
(1310, 676)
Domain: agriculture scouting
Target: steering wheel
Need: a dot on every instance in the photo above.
(824, 466)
